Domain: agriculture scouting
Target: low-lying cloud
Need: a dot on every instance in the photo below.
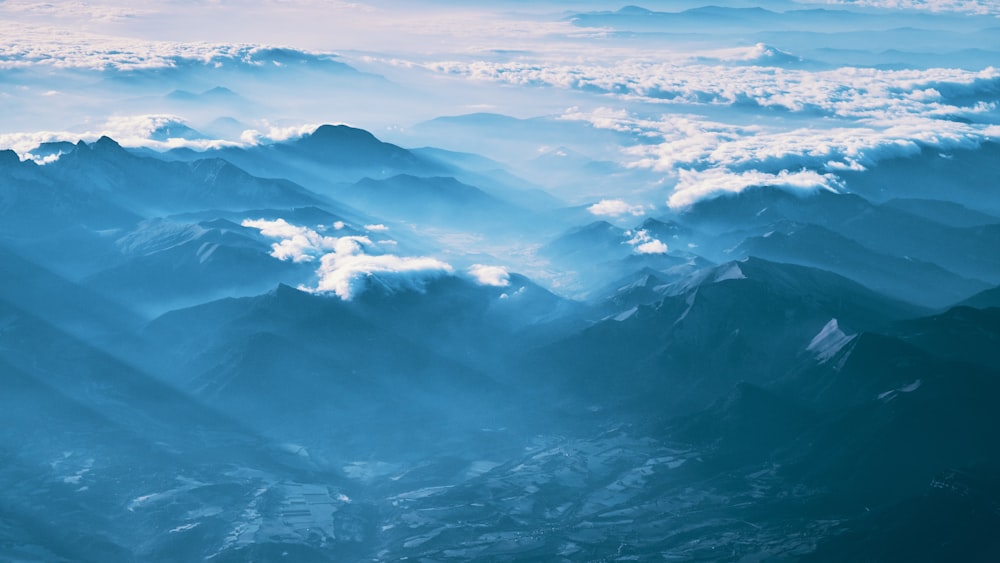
(348, 265)
(644, 243)
(695, 185)
(495, 276)
(616, 208)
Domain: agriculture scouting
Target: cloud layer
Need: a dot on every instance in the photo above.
(982, 7)
(29, 46)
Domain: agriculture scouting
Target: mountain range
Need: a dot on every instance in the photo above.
(333, 347)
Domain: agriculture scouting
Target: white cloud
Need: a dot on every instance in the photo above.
(694, 185)
(496, 276)
(346, 264)
(33, 46)
(615, 208)
(644, 243)
(842, 92)
(700, 157)
(376, 228)
(277, 134)
(652, 247)
(151, 131)
(160, 132)
(347, 271)
(298, 244)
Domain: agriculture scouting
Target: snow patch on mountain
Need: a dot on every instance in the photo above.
(829, 341)
(729, 272)
(892, 393)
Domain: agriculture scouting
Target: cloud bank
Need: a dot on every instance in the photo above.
(27, 46)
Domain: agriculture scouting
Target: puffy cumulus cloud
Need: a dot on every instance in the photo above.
(347, 264)
(695, 185)
(652, 247)
(379, 227)
(729, 156)
(298, 244)
(615, 208)
(496, 276)
(347, 271)
(644, 243)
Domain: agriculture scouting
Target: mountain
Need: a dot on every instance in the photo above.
(643, 287)
(350, 147)
(291, 361)
(328, 155)
(492, 177)
(951, 518)
(747, 426)
(960, 176)
(756, 21)
(945, 212)
(984, 299)
(960, 334)
(149, 186)
(73, 307)
(167, 264)
(797, 397)
(123, 467)
(753, 212)
(716, 18)
(33, 203)
(919, 282)
(440, 201)
(597, 241)
(739, 321)
(903, 436)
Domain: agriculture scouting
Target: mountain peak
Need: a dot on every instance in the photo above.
(339, 133)
(107, 144)
(633, 10)
(9, 158)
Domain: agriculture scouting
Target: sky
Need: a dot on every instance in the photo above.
(677, 105)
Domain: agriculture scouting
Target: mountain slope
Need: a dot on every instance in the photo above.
(740, 321)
